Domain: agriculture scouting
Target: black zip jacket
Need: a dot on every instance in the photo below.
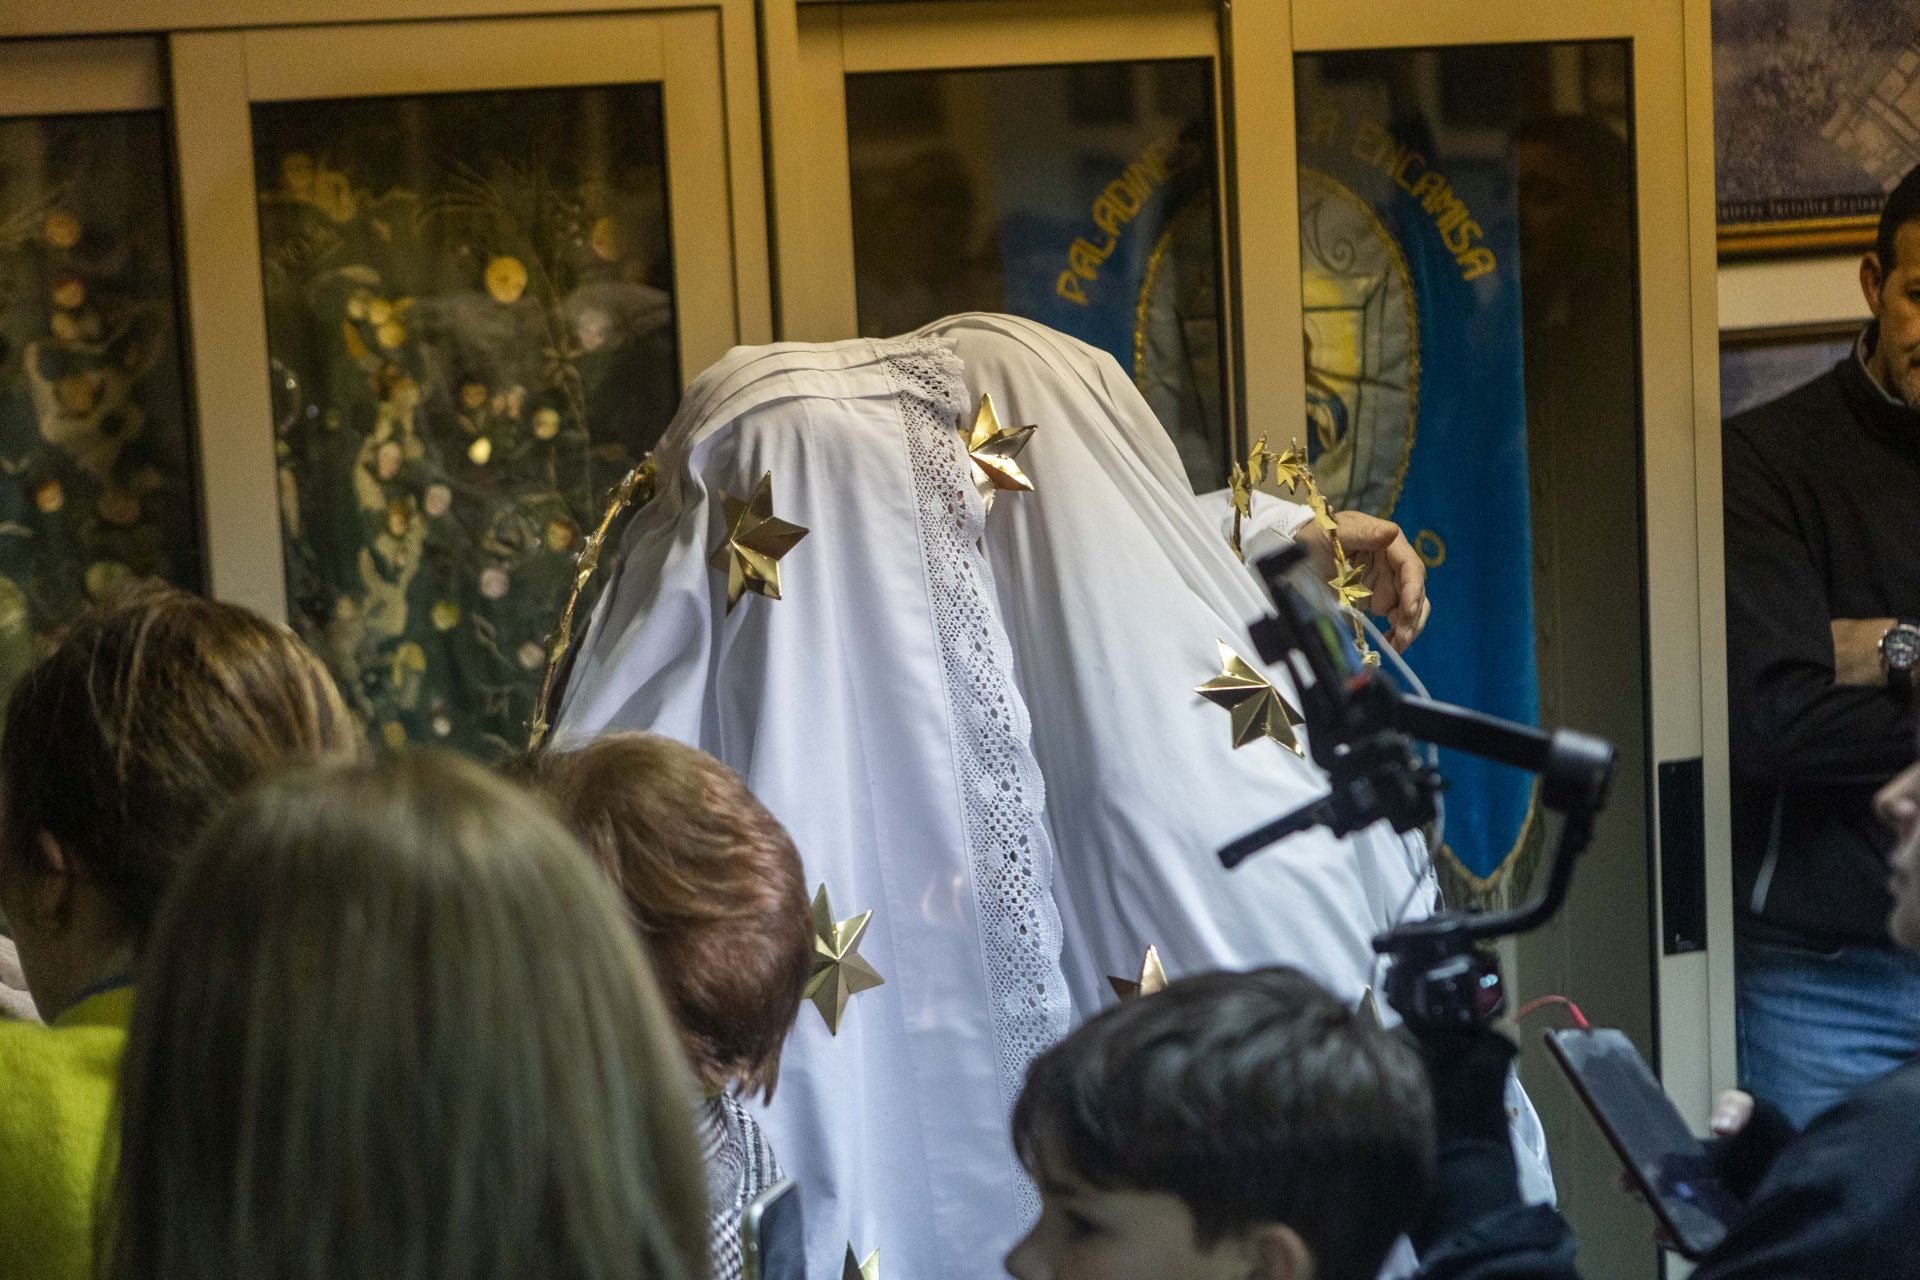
(1822, 522)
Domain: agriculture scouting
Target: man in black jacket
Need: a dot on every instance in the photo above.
(1823, 597)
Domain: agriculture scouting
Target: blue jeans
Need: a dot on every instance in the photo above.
(1815, 1025)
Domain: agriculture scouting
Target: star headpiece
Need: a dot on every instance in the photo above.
(756, 540)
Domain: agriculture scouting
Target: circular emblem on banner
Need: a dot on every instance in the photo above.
(1363, 347)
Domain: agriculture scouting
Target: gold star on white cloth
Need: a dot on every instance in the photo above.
(854, 1269)
(1258, 709)
(1153, 978)
(839, 972)
(756, 539)
(994, 451)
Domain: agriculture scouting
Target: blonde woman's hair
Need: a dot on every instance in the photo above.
(153, 710)
(393, 1025)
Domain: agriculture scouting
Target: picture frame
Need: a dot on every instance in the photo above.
(1813, 121)
(1762, 364)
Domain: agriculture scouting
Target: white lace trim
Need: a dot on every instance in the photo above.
(1003, 792)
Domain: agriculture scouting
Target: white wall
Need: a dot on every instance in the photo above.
(1768, 292)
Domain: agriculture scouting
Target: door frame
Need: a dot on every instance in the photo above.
(219, 75)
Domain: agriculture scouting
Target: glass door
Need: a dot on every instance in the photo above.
(1051, 161)
(97, 467)
(1505, 345)
(482, 285)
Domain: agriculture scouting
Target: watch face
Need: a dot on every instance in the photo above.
(1902, 647)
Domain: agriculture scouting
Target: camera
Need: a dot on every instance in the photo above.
(1365, 734)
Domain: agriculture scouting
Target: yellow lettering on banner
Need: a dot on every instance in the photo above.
(1476, 262)
(1412, 173)
(1411, 160)
(1113, 210)
(1460, 238)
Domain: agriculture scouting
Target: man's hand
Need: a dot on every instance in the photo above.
(1389, 568)
(1856, 650)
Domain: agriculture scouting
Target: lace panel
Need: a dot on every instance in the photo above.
(1003, 793)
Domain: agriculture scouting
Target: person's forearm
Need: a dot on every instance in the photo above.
(1856, 651)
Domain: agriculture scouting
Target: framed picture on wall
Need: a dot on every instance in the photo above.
(1758, 365)
(1816, 117)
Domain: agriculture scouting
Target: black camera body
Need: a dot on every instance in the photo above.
(1364, 733)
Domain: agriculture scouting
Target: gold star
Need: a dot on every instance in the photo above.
(755, 541)
(853, 1269)
(994, 451)
(1258, 460)
(1152, 978)
(1288, 468)
(1322, 514)
(839, 973)
(1369, 1008)
(1346, 584)
(1258, 709)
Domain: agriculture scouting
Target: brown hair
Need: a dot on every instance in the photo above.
(1253, 1097)
(712, 882)
(149, 713)
(392, 1026)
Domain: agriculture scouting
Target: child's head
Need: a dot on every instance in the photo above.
(711, 881)
(151, 711)
(393, 1026)
(1232, 1125)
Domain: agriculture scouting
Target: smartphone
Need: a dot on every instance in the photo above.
(1669, 1164)
(772, 1238)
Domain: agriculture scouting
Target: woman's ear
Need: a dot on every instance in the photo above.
(1280, 1254)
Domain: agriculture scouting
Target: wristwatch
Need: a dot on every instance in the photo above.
(1899, 653)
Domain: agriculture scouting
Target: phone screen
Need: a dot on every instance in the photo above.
(1649, 1135)
(773, 1238)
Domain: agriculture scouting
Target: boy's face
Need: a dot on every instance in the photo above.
(1087, 1233)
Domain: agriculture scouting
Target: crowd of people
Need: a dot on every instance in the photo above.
(274, 1009)
(312, 1015)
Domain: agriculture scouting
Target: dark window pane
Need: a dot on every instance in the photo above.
(1081, 196)
(470, 315)
(96, 467)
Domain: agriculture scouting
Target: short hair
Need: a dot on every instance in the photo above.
(152, 710)
(1902, 207)
(712, 882)
(391, 1025)
(1253, 1097)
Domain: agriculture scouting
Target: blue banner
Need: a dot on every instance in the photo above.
(1416, 411)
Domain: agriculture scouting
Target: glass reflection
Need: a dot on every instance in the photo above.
(96, 472)
(470, 317)
(1466, 233)
(1082, 197)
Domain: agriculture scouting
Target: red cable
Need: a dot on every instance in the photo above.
(1573, 1010)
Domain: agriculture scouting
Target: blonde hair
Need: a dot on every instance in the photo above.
(391, 1023)
(152, 711)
